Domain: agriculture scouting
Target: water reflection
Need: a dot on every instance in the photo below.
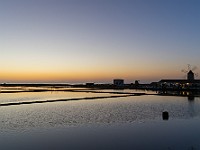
(118, 123)
(191, 98)
(98, 111)
(189, 94)
(191, 106)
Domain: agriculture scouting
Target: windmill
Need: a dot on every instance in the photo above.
(190, 72)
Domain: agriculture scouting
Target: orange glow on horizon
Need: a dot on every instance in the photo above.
(87, 75)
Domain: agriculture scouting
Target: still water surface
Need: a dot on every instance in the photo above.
(118, 123)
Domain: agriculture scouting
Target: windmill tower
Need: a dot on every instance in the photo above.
(190, 73)
(190, 76)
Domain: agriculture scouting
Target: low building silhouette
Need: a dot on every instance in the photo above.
(190, 82)
(118, 82)
(90, 84)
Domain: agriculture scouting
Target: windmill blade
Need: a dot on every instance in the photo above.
(184, 71)
(189, 67)
(194, 68)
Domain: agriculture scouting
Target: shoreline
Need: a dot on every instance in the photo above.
(100, 87)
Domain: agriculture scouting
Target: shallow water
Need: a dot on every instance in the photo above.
(48, 95)
(116, 123)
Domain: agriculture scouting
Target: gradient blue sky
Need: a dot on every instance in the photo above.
(97, 40)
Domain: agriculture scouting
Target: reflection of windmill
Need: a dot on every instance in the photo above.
(190, 73)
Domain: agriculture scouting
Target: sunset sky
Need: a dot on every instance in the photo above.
(98, 40)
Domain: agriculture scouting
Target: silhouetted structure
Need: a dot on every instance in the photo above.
(89, 84)
(118, 82)
(190, 82)
(136, 82)
(165, 115)
(190, 75)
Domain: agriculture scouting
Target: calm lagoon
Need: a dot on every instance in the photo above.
(133, 122)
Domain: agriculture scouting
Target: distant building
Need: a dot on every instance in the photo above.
(189, 81)
(89, 84)
(137, 82)
(118, 82)
(178, 81)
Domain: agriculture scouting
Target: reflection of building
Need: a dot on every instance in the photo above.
(118, 82)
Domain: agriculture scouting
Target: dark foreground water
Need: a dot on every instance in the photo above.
(118, 123)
